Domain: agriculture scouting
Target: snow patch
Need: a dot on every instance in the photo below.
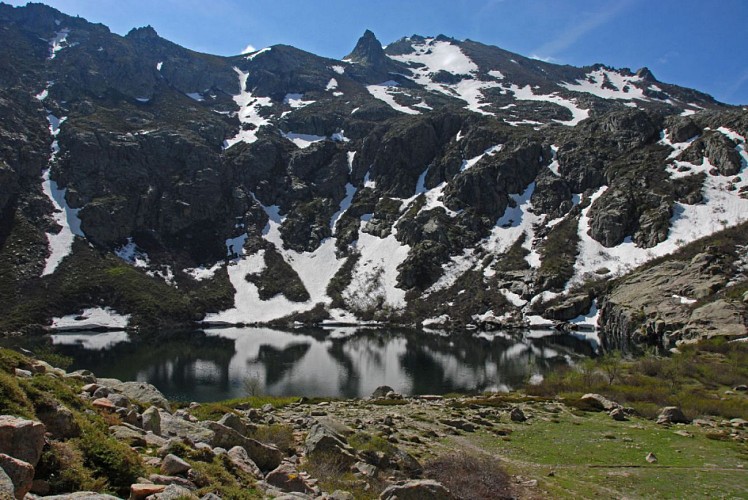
(95, 317)
(609, 85)
(159, 65)
(338, 69)
(332, 84)
(58, 42)
(526, 94)
(203, 273)
(255, 54)
(384, 92)
(466, 164)
(303, 141)
(197, 96)
(296, 101)
(249, 112)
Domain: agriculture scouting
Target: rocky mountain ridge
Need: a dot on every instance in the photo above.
(434, 181)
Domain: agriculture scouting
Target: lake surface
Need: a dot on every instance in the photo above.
(216, 364)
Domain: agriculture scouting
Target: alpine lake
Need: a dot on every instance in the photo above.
(341, 362)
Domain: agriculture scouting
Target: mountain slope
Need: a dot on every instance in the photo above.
(434, 180)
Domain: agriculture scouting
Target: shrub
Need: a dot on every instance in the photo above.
(279, 435)
(470, 476)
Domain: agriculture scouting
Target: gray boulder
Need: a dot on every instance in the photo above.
(266, 457)
(174, 492)
(321, 439)
(286, 478)
(7, 489)
(381, 391)
(138, 391)
(22, 438)
(600, 403)
(672, 415)
(172, 465)
(423, 489)
(59, 420)
(517, 415)
(241, 461)
(151, 420)
(82, 495)
(234, 421)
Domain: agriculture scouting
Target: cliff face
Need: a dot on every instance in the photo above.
(434, 180)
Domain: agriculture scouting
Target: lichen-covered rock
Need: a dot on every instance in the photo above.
(239, 457)
(172, 465)
(21, 438)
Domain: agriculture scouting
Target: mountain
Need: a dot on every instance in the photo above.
(437, 182)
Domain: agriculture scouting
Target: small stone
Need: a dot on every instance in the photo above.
(741, 387)
(172, 465)
(151, 420)
(23, 373)
(651, 458)
(119, 400)
(90, 388)
(424, 489)
(267, 408)
(102, 392)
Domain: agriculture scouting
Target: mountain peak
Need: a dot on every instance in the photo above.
(645, 74)
(368, 50)
(143, 33)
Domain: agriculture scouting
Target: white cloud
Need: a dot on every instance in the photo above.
(249, 48)
(547, 59)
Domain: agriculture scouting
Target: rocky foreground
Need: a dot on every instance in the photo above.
(65, 432)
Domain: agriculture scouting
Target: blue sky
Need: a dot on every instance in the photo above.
(694, 43)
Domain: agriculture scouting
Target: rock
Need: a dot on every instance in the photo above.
(151, 420)
(84, 376)
(517, 415)
(101, 392)
(366, 469)
(20, 472)
(234, 421)
(21, 438)
(741, 387)
(59, 420)
(672, 415)
(618, 414)
(172, 465)
(174, 492)
(7, 489)
(175, 426)
(423, 489)
(83, 495)
(241, 460)
(381, 391)
(266, 457)
(104, 404)
(167, 480)
(119, 400)
(651, 458)
(128, 435)
(155, 440)
(286, 478)
(22, 373)
(600, 403)
(341, 495)
(90, 388)
(404, 461)
(458, 423)
(210, 496)
(320, 439)
(141, 491)
(138, 391)
(267, 408)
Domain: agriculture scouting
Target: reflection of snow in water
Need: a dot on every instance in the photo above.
(91, 341)
(345, 362)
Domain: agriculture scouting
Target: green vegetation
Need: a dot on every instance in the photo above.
(341, 280)
(470, 476)
(278, 278)
(214, 411)
(363, 441)
(558, 254)
(694, 379)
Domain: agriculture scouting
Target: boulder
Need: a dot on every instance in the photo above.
(172, 465)
(104, 404)
(141, 491)
(167, 480)
(423, 489)
(22, 438)
(672, 415)
(138, 391)
(175, 426)
(128, 435)
(174, 492)
(381, 391)
(600, 403)
(234, 421)
(151, 420)
(119, 400)
(241, 461)
(517, 415)
(285, 477)
(321, 439)
(21, 474)
(266, 457)
(59, 420)
(459, 423)
(618, 414)
(83, 495)
(7, 489)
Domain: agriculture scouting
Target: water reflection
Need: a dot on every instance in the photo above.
(345, 362)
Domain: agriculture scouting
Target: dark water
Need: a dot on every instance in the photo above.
(215, 364)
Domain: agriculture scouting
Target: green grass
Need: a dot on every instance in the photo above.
(214, 411)
(594, 455)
